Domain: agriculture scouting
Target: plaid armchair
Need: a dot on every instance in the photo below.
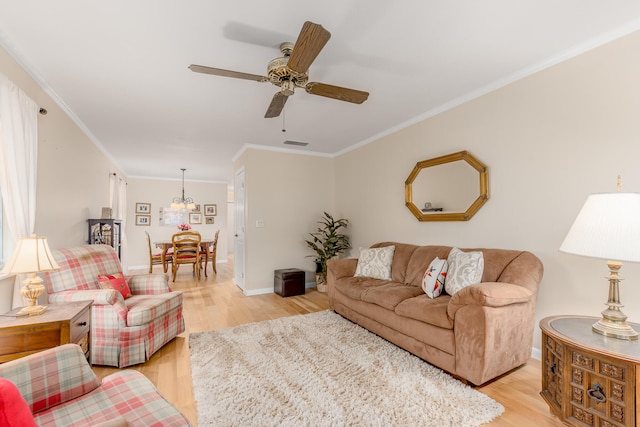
(127, 331)
(60, 389)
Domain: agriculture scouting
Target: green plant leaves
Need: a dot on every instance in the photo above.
(327, 241)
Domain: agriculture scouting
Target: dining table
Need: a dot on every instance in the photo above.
(165, 245)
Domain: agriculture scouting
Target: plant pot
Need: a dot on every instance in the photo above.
(321, 282)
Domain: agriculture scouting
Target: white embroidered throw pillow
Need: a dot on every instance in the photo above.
(434, 278)
(465, 269)
(375, 262)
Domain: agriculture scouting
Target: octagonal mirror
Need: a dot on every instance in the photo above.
(447, 188)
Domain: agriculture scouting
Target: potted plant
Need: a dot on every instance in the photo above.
(327, 242)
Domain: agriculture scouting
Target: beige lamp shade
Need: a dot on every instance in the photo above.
(607, 227)
(32, 255)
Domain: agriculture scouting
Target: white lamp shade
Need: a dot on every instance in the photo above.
(607, 227)
(32, 254)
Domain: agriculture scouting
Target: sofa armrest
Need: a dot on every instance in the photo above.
(148, 284)
(494, 324)
(100, 297)
(51, 377)
(489, 294)
(338, 268)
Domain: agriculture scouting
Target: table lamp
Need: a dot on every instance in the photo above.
(608, 227)
(32, 255)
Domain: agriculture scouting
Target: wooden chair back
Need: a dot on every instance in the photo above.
(214, 249)
(156, 259)
(208, 252)
(186, 250)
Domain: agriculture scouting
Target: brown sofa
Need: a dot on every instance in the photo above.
(479, 333)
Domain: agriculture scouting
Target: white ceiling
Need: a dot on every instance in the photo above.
(120, 67)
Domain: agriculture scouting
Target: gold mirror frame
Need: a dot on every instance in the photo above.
(448, 216)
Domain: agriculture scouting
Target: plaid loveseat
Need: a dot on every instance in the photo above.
(61, 389)
(124, 332)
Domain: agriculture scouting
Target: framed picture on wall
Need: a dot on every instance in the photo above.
(170, 217)
(143, 219)
(210, 210)
(196, 208)
(195, 218)
(209, 219)
(143, 208)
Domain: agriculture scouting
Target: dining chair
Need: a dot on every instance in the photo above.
(155, 259)
(211, 254)
(186, 250)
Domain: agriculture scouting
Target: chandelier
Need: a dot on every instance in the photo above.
(183, 202)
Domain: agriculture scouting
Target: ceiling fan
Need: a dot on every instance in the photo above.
(291, 70)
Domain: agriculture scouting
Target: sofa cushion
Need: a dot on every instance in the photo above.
(62, 372)
(80, 267)
(420, 260)
(401, 256)
(126, 395)
(14, 410)
(375, 263)
(115, 281)
(427, 310)
(144, 308)
(390, 294)
(434, 277)
(465, 269)
(354, 287)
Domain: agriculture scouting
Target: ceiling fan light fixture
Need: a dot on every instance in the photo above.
(287, 88)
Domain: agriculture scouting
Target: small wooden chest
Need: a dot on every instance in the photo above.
(288, 282)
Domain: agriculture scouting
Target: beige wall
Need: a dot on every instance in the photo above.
(160, 193)
(73, 174)
(288, 192)
(549, 141)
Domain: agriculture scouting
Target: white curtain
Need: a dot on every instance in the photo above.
(112, 187)
(122, 214)
(18, 163)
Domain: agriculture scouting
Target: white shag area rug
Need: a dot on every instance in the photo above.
(320, 369)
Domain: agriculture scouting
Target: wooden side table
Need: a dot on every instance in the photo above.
(589, 379)
(60, 324)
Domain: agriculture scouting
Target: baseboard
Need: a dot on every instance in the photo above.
(269, 290)
(252, 292)
(536, 353)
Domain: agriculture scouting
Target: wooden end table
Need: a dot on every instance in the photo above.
(60, 324)
(589, 379)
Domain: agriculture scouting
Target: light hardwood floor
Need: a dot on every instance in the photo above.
(216, 303)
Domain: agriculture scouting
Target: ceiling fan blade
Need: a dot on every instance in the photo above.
(227, 73)
(337, 92)
(276, 106)
(310, 42)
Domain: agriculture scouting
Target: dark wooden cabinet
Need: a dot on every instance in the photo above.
(105, 232)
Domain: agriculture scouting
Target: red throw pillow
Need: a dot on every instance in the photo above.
(117, 282)
(14, 410)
